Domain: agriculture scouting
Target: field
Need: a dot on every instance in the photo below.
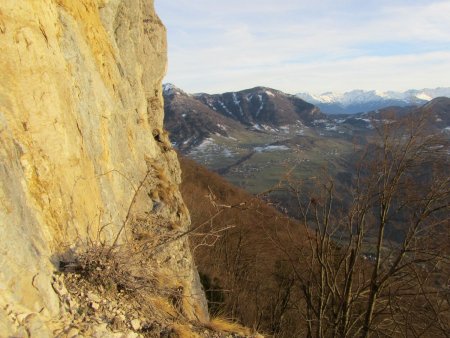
(260, 160)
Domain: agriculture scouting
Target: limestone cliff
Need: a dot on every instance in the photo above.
(83, 154)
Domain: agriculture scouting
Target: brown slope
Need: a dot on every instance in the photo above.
(437, 112)
(440, 110)
(234, 247)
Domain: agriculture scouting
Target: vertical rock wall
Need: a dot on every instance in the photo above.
(81, 118)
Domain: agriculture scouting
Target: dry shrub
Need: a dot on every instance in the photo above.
(115, 268)
(128, 277)
(127, 269)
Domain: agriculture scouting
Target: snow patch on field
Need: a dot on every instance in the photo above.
(210, 148)
(207, 143)
(270, 148)
(269, 128)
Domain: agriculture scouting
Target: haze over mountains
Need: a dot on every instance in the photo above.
(358, 101)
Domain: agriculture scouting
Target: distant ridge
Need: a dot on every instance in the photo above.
(358, 101)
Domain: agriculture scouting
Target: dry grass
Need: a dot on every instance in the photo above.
(225, 325)
(122, 275)
(185, 331)
(164, 306)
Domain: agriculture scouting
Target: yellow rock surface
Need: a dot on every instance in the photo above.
(80, 126)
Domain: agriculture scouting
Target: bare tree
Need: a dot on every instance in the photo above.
(378, 266)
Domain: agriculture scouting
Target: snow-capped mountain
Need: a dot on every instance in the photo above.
(261, 105)
(192, 118)
(357, 101)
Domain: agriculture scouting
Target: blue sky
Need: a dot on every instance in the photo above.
(307, 46)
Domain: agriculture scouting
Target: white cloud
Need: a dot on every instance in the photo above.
(299, 46)
(397, 72)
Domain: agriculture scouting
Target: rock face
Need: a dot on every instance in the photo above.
(83, 153)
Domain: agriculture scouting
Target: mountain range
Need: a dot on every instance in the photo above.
(250, 137)
(259, 112)
(358, 101)
(190, 118)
